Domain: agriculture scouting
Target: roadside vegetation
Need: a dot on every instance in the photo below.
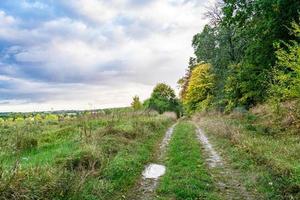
(93, 156)
(243, 58)
(186, 176)
(267, 158)
(243, 84)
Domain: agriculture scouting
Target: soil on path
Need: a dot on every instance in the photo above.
(145, 189)
(225, 177)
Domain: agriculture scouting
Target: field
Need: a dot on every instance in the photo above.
(92, 156)
(101, 155)
(210, 93)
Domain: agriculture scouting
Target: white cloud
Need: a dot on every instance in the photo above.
(6, 20)
(78, 96)
(106, 53)
(94, 10)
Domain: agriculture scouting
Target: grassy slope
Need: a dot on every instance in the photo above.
(68, 165)
(270, 163)
(186, 176)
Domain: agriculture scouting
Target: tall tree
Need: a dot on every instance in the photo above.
(163, 99)
(200, 88)
(262, 23)
(239, 43)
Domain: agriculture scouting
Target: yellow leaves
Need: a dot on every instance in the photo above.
(287, 71)
(136, 104)
(199, 90)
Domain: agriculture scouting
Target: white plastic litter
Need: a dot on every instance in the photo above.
(154, 171)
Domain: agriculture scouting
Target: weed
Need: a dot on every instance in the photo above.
(89, 157)
(26, 143)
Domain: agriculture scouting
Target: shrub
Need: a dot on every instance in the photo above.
(89, 158)
(163, 99)
(136, 103)
(286, 82)
(26, 143)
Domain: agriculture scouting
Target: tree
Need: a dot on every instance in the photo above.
(184, 81)
(204, 44)
(146, 103)
(163, 99)
(239, 43)
(261, 24)
(51, 117)
(220, 45)
(136, 104)
(286, 84)
(38, 118)
(200, 89)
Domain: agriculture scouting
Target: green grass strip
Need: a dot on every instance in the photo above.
(186, 176)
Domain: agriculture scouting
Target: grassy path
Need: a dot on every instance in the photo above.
(225, 177)
(145, 187)
(186, 176)
(196, 168)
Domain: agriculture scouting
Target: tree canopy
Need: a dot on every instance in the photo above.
(163, 99)
(136, 103)
(251, 51)
(199, 89)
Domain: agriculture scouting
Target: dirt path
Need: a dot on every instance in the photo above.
(145, 189)
(225, 177)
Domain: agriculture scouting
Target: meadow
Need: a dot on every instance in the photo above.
(102, 154)
(236, 110)
(88, 156)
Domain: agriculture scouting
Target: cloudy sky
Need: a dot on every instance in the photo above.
(84, 54)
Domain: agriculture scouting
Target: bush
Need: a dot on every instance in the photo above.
(26, 143)
(163, 99)
(89, 159)
(286, 82)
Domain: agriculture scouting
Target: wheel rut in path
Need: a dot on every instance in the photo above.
(145, 189)
(224, 176)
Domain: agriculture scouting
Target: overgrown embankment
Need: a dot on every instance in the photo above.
(186, 176)
(263, 145)
(92, 157)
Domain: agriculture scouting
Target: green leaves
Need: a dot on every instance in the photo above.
(163, 99)
(136, 104)
(252, 54)
(286, 82)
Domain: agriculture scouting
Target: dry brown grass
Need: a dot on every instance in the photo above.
(278, 153)
(217, 125)
(284, 116)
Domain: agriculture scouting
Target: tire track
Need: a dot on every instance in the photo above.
(153, 171)
(225, 177)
